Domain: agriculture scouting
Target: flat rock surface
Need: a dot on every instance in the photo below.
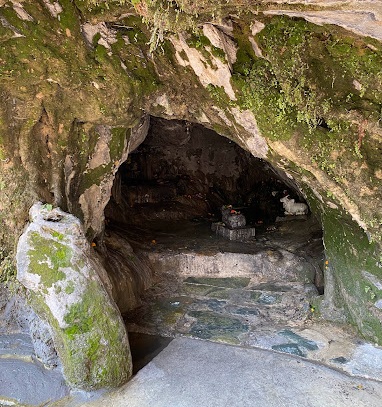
(29, 383)
(24, 380)
(16, 344)
(191, 373)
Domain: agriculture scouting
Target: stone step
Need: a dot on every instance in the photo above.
(192, 373)
(261, 267)
(241, 290)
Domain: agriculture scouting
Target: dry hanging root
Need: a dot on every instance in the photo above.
(361, 132)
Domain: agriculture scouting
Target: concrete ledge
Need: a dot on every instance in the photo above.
(191, 373)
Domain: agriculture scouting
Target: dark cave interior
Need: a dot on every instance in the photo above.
(184, 171)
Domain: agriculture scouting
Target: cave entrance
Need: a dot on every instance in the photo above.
(166, 197)
(186, 172)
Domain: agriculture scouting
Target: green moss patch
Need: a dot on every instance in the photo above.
(349, 252)
(47, 259)
(94, 349)
(7, 266)
(305, 84)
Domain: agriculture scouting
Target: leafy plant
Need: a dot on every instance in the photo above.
(7, 266)
(48, 206)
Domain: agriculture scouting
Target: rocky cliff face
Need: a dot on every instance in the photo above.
(294, 82)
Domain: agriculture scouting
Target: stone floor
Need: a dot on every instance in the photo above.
(191, 373)
(24, 381)
(254, 294)
(271, 316)
(226, 309)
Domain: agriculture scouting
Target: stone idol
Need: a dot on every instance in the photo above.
(233, 225)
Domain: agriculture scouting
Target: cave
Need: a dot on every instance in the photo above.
(184, 171)
(167, 199)
(148, 153)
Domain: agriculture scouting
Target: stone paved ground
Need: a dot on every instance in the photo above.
(272, 316)
(254, 294)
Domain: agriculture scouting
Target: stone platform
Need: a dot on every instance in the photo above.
(238, 234)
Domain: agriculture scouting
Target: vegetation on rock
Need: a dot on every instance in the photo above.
(55, 264)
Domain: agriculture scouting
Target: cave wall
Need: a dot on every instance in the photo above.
(173, 150)
(187, 162)
(185, 171)
(77, 78)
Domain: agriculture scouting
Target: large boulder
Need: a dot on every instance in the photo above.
(69, 288)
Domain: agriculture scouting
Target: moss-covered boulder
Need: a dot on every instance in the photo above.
(70, 290)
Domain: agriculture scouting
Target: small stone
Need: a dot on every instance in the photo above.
(291, 348)
(246, 311)
(357, 85)
(299, 340)
(340, 360)
(268, 299)
(210, 325)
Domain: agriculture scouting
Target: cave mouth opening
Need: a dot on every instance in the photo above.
(166, 197)
(185, 172)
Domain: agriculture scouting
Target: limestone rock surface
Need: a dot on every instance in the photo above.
(67, 288)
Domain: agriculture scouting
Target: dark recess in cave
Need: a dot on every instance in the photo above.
(175, 183)
(185, 171)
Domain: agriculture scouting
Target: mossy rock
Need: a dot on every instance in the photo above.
(55, 263)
